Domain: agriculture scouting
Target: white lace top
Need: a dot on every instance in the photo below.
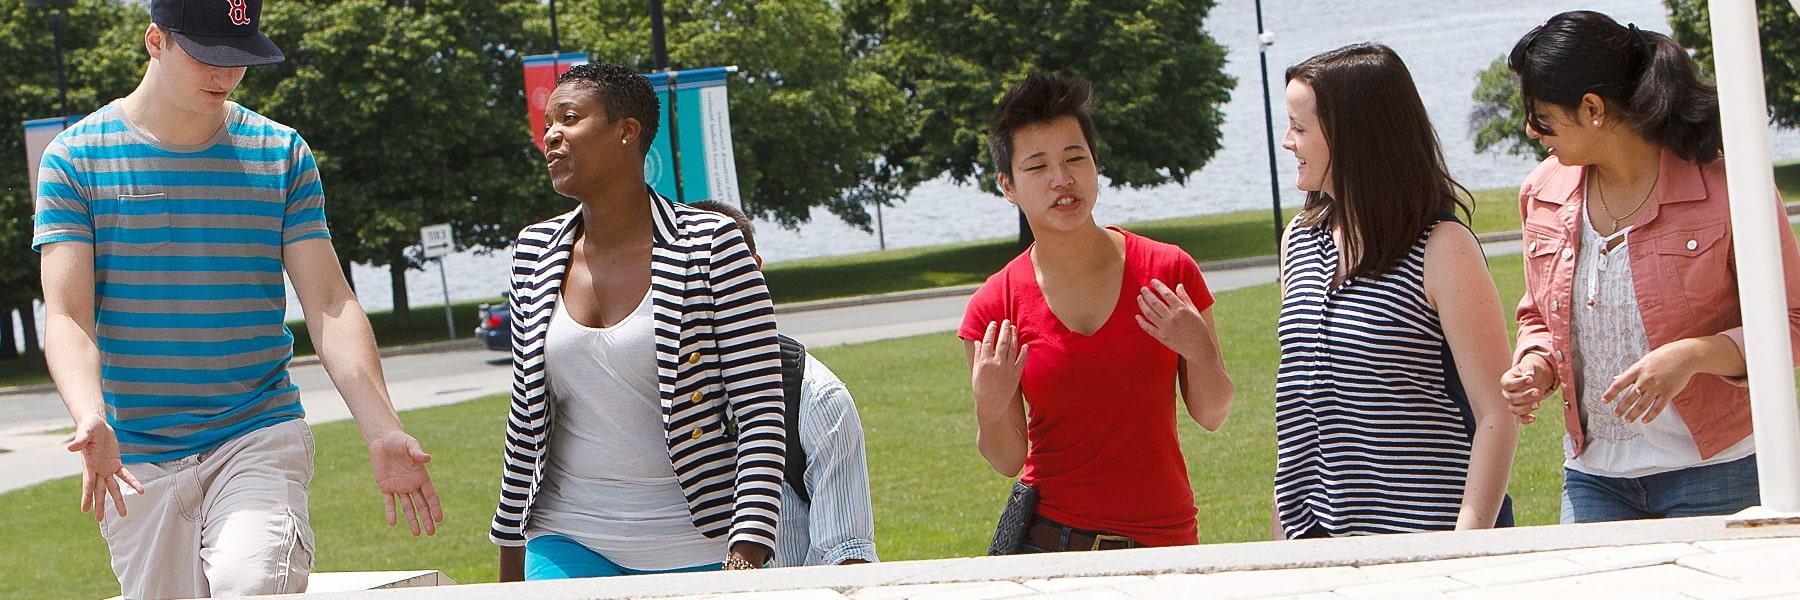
(1608, 337)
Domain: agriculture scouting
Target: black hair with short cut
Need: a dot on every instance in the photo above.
(1646, 74)
(743, 220)
(623, 93)
(1037, 99)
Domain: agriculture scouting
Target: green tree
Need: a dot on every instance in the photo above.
(1159, 80)
(1498, 120)
(414, 112)
(102, 40)
(809, 121)
(1778, 27)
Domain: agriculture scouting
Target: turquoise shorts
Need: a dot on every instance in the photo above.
(558, 557)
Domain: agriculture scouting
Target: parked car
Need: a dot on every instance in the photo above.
(493, 326)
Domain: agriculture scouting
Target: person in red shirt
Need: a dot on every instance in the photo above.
(1093, 328)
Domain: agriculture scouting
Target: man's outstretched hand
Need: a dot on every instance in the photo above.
(399, 466)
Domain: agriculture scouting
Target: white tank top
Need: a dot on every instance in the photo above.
(609, 484)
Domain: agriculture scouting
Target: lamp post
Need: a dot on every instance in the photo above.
(1264, 39)
(57, 9)
(659, 47)
(555, 39)
(659, 58)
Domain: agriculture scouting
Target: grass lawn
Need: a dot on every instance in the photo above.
(1787, 178)
(934, 496)
(25, 370)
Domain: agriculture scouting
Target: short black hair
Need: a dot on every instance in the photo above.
(743, 220)
(1037, 99)
(623, 93)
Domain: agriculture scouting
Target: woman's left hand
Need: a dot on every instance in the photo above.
(1171, 318)
(744, 556)
(1645, 389)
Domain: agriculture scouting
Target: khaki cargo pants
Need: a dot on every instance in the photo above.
(226, 522)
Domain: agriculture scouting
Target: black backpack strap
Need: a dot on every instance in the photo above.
(793, 372)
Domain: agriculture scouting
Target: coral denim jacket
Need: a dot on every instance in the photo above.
(1682, 269)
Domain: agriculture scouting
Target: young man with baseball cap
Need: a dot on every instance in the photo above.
(166, 221)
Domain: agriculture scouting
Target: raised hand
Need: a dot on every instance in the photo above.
(1171, 317)
(999, 363)
(399, 466)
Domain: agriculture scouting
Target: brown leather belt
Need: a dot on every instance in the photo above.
(1051, 535)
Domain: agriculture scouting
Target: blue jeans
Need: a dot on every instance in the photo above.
(558, 557)
(1720, 489)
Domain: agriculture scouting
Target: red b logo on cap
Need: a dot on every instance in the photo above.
(240, 15)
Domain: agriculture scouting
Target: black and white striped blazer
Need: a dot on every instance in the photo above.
(715, 353)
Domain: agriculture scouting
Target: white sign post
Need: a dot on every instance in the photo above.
(438, 241)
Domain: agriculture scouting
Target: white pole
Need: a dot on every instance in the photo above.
(1754, 227)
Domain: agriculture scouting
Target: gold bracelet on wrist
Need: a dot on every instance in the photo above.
(734, 562)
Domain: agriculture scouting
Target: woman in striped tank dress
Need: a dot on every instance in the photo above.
(1388, 412)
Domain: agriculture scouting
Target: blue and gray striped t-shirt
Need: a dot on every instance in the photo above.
(188, 287)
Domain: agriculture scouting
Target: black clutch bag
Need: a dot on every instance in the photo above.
(1009, 534)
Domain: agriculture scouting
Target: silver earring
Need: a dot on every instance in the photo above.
(1596, 122)
(628, 141)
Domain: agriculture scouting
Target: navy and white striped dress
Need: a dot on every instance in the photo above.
(1372, 427)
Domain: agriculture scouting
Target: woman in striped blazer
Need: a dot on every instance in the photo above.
(646, 428)
(1388, 413)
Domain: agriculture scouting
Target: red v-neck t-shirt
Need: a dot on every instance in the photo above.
(1100, 409)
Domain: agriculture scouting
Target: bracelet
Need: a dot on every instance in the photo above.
(734, 562)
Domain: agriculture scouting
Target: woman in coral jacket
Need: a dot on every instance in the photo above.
(1631, 305)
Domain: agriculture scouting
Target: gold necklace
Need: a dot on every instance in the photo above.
(1600, 194)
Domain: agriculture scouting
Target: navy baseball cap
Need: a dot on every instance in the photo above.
(221, 33)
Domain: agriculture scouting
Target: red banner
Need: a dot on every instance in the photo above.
(541, 72)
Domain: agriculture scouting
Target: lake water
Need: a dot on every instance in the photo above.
(1444, 44)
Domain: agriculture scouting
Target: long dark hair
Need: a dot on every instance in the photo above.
(1386, 166)
(1646, 73)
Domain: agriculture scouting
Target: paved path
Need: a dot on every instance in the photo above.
(31, 423)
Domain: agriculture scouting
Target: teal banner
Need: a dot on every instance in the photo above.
(691, 159)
